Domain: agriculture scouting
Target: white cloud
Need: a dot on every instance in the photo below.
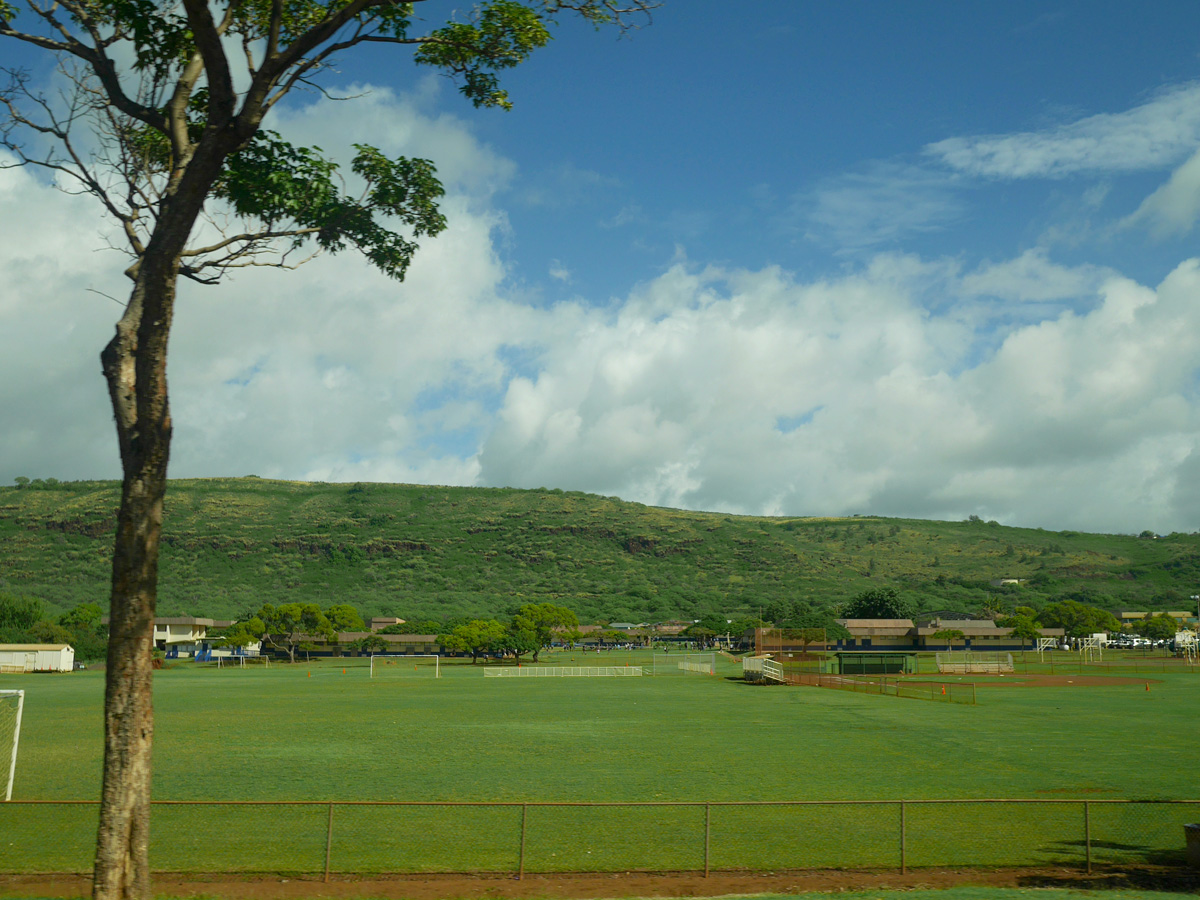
(889, 389)
(1079, 420)
(1155, 134)
(321, 372)
(887, 203)
(1173, 208)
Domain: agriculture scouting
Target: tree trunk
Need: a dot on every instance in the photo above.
(135, 365)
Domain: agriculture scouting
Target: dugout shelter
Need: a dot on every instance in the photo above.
(859, 662)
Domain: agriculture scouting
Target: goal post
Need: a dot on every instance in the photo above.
(396, 664)
(11, 705)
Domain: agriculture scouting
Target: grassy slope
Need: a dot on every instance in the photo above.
(231, 544)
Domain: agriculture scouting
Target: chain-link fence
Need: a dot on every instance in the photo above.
(370, 838)
(945, 691)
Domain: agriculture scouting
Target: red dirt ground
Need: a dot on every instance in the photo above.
(588, 887)
(1019, 680)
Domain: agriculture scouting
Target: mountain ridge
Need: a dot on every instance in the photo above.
(231, 544)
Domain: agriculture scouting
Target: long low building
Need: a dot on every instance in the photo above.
(21, 658)
(907, 635)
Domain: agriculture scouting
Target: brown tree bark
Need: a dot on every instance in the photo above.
(135, 367)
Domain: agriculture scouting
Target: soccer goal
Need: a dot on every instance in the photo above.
(11, 704)
(1091, 648)
(396, 665)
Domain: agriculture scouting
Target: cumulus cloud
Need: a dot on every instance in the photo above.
(1173, 208)
(332, 371)
(1155, 134)
(1020, 388)
(749, 392)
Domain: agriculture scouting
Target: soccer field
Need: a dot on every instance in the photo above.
(328, 732)
(314, 733)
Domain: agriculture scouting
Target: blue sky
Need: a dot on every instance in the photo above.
(930, 259)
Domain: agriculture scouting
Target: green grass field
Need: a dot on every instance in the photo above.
(326, 732)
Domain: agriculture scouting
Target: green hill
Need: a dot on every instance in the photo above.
(411, 550)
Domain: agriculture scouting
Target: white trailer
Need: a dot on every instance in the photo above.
(20, 658)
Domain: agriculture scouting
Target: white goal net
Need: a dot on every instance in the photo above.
(11, 705)
(396, 665)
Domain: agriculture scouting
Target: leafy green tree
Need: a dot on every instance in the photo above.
(18, 614)
(879, 603)
(475, 637)
(371, 643)
(520, 637)
(171, 100)
(714, 622)
(242, 633)
(535, 624)
(1021, 626)
(1076, 619)
(701, 634)
(291, 625)
(46, 632)
(1156, 628)
(950, 635)
(344, 617)
(84, 617)
(89, 636)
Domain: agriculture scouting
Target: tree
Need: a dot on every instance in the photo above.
(475, 637)
(171, 99)
(85, 616)
(949, 635)
(1156, 628)
(372, 643)
(344, 617)
(879, 603)
(18, 615)
(534, 625)
(702, 634)
(243, 633)
(1023, 627)
(89, 636)
(291, 626)
(1076, 619)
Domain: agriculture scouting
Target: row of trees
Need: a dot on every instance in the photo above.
(531, 628)
(293, 626)
(297, 627)
(24, 620)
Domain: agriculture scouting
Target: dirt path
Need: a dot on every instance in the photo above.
(588, 887)
(1021, 680)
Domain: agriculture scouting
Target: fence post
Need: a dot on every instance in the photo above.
(707, 834)
(328, 841)
(1087, 834)
(521, 857)
(903, 840)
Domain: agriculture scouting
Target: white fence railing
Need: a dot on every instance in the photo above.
(562, 671)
